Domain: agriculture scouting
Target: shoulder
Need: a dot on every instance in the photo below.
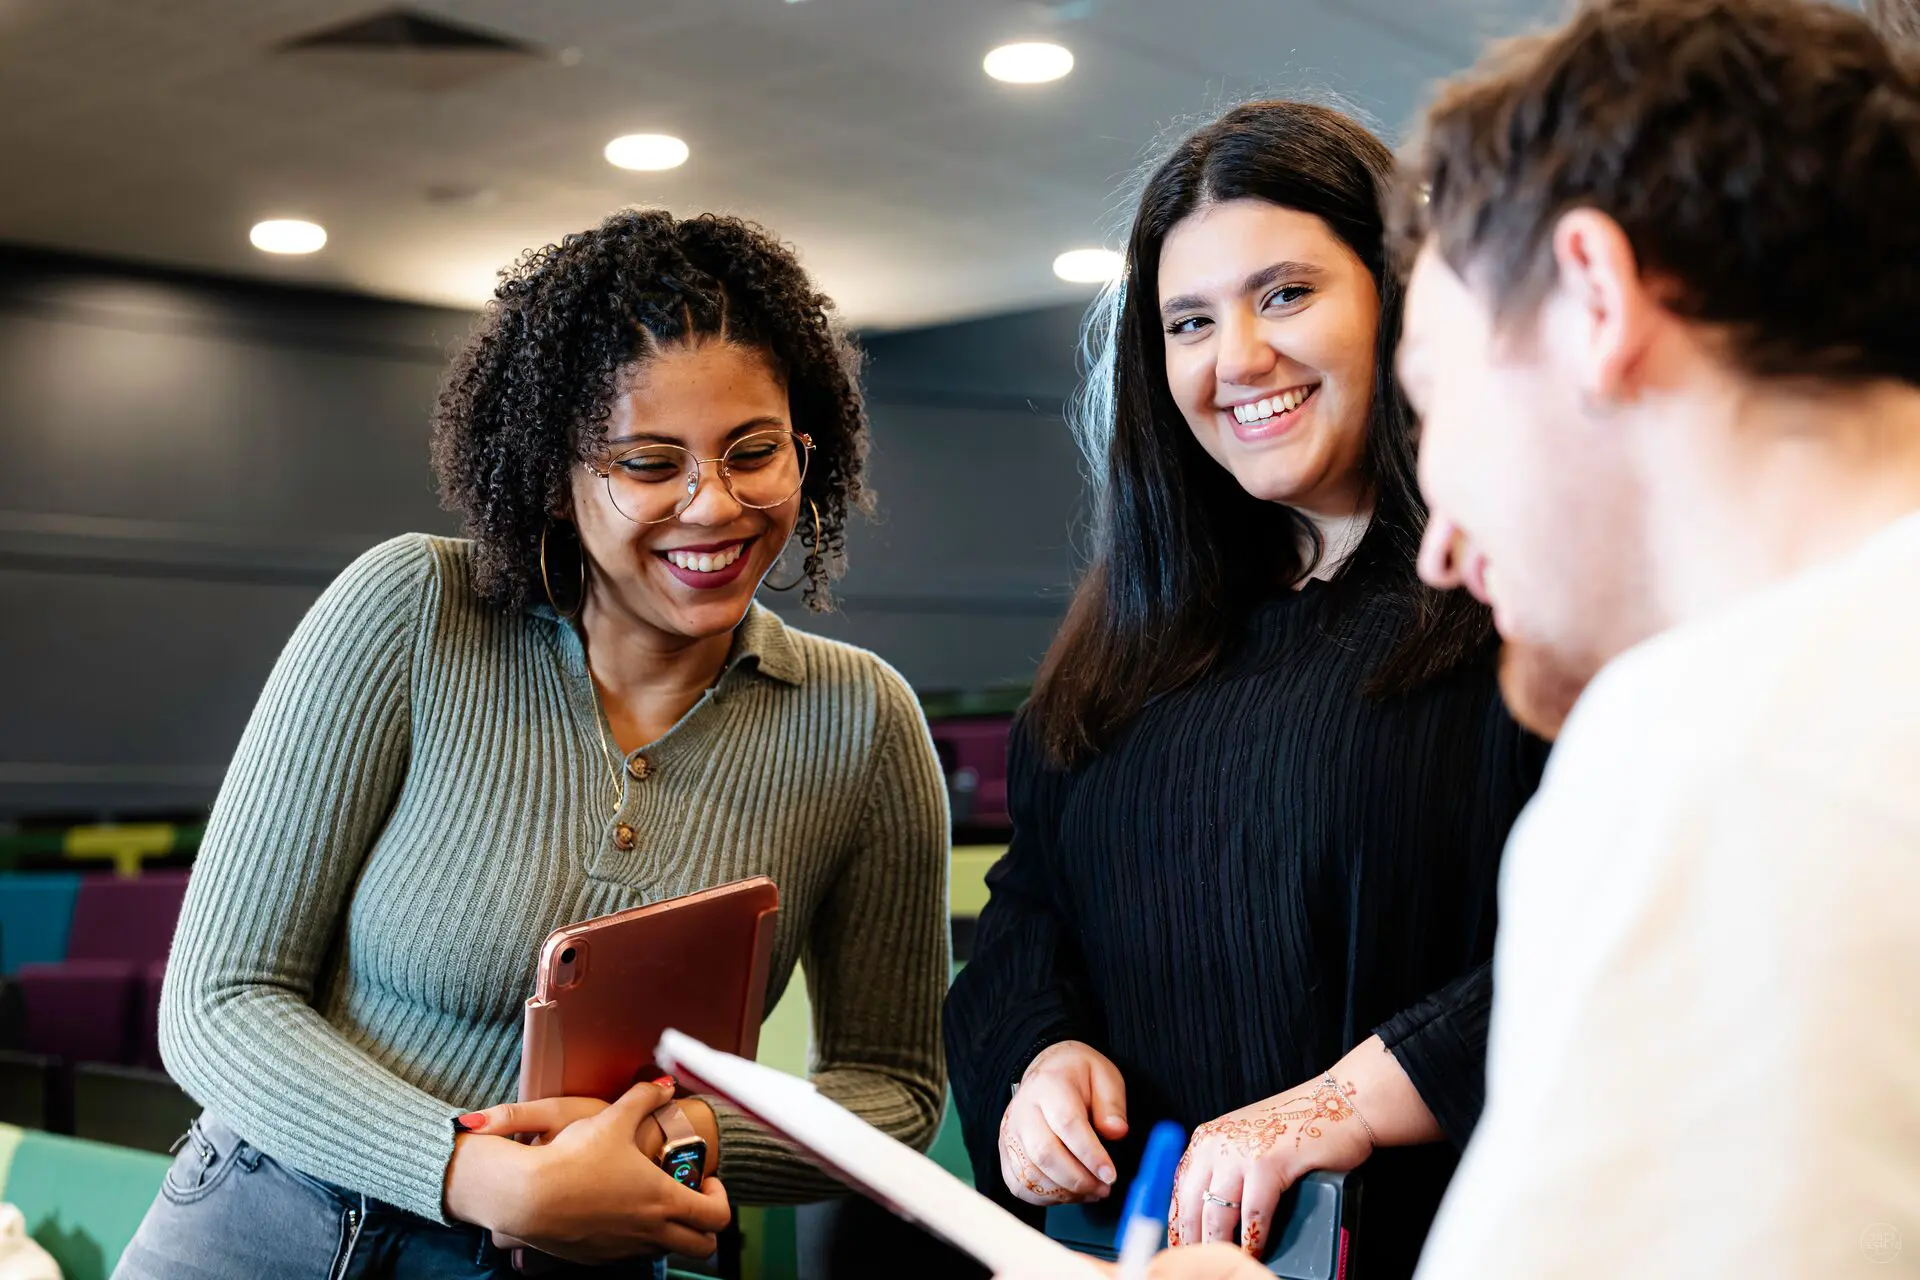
(837, 669)
(839, 683)
(1764, 728)
(1817, 668)
(379, 593)
(412, 560)
(440, 568)
(408, 588)
(396, 563)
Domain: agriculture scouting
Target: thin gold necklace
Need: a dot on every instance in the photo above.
(606, 752)
(600, 728)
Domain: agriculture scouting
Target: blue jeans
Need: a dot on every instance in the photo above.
(228, 1212)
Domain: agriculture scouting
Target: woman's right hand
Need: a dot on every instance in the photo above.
(589, 1194)
(1070, 1097)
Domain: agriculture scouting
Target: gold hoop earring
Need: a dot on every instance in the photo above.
(547, 582)
(816, 552)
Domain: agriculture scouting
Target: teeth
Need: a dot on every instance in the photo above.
(706, 561)
(1260, 410)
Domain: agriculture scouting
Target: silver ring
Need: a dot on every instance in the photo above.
(1211, 1198)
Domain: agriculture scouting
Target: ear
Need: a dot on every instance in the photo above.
(1605, 313)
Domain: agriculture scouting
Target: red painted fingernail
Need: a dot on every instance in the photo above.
(667, 1082)
(472, 1121)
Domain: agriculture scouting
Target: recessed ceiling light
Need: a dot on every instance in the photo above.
(1088, 266)
(647, 151)
(287, 235)
(1032, 62)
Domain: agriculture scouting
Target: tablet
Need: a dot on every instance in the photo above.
(1317, 1217)
(867, 1160)
(607, 988)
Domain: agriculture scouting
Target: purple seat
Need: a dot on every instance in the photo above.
(89, 1007)
(147, 1048)
(126, 919)
(973, 755)
(81, 1009)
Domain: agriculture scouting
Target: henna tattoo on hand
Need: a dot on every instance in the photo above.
(1252, 1136)
(1173, 1209)
(1031, 1175)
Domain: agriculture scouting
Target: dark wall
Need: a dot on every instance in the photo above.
(185, 462)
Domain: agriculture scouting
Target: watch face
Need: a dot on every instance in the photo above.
(685, 1162)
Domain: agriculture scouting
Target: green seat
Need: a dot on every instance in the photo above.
(949, 1150)
(82, 1200)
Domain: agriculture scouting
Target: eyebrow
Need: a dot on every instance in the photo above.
(760, 423)
(1252, 284)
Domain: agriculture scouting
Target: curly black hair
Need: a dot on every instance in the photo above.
(528, 396)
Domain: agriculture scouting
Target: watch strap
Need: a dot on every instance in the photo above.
(674, 1125)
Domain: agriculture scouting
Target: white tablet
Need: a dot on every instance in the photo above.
(866, 1159)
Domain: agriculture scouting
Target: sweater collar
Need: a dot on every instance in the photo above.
(761, 640)
(764, 639)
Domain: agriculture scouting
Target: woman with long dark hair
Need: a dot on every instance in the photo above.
(1261, 789)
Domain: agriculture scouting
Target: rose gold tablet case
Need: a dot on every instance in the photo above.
(697, 962)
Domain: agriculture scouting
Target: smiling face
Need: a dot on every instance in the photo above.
(692, 576)
(1270, 323)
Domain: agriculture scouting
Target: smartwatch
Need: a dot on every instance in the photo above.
(685, 1155)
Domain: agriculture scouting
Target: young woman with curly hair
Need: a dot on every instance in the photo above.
(576, 709)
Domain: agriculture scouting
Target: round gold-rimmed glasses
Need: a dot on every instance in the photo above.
(651, 483)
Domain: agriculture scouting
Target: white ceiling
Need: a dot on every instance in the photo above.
(862, 130)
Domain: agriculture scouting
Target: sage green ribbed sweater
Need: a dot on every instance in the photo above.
(420, 798)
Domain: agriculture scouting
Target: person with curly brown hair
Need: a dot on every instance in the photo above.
(575, 709)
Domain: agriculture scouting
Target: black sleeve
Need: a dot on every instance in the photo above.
(1025, 987)
(1441, 1041)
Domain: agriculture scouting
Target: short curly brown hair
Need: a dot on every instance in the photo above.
(528, 396)
(1763, 155)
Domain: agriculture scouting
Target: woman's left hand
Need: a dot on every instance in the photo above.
(541, 1121)
(1237, 1167)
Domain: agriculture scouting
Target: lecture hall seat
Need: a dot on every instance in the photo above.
(88, 1007)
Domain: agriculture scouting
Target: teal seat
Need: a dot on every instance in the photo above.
(36, 912)
(949, 1149)
(82, 1200)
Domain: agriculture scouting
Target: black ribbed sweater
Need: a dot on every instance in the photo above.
(1264, 869)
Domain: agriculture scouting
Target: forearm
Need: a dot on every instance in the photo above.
(1383, 1095)
(877, 965)
(760, 1168)
(485, 1183)
(272, 1067)
(1440, 1044)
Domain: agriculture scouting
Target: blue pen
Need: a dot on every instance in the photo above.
(1143, 1227)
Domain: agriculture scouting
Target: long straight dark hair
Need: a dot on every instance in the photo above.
(1180, 551)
